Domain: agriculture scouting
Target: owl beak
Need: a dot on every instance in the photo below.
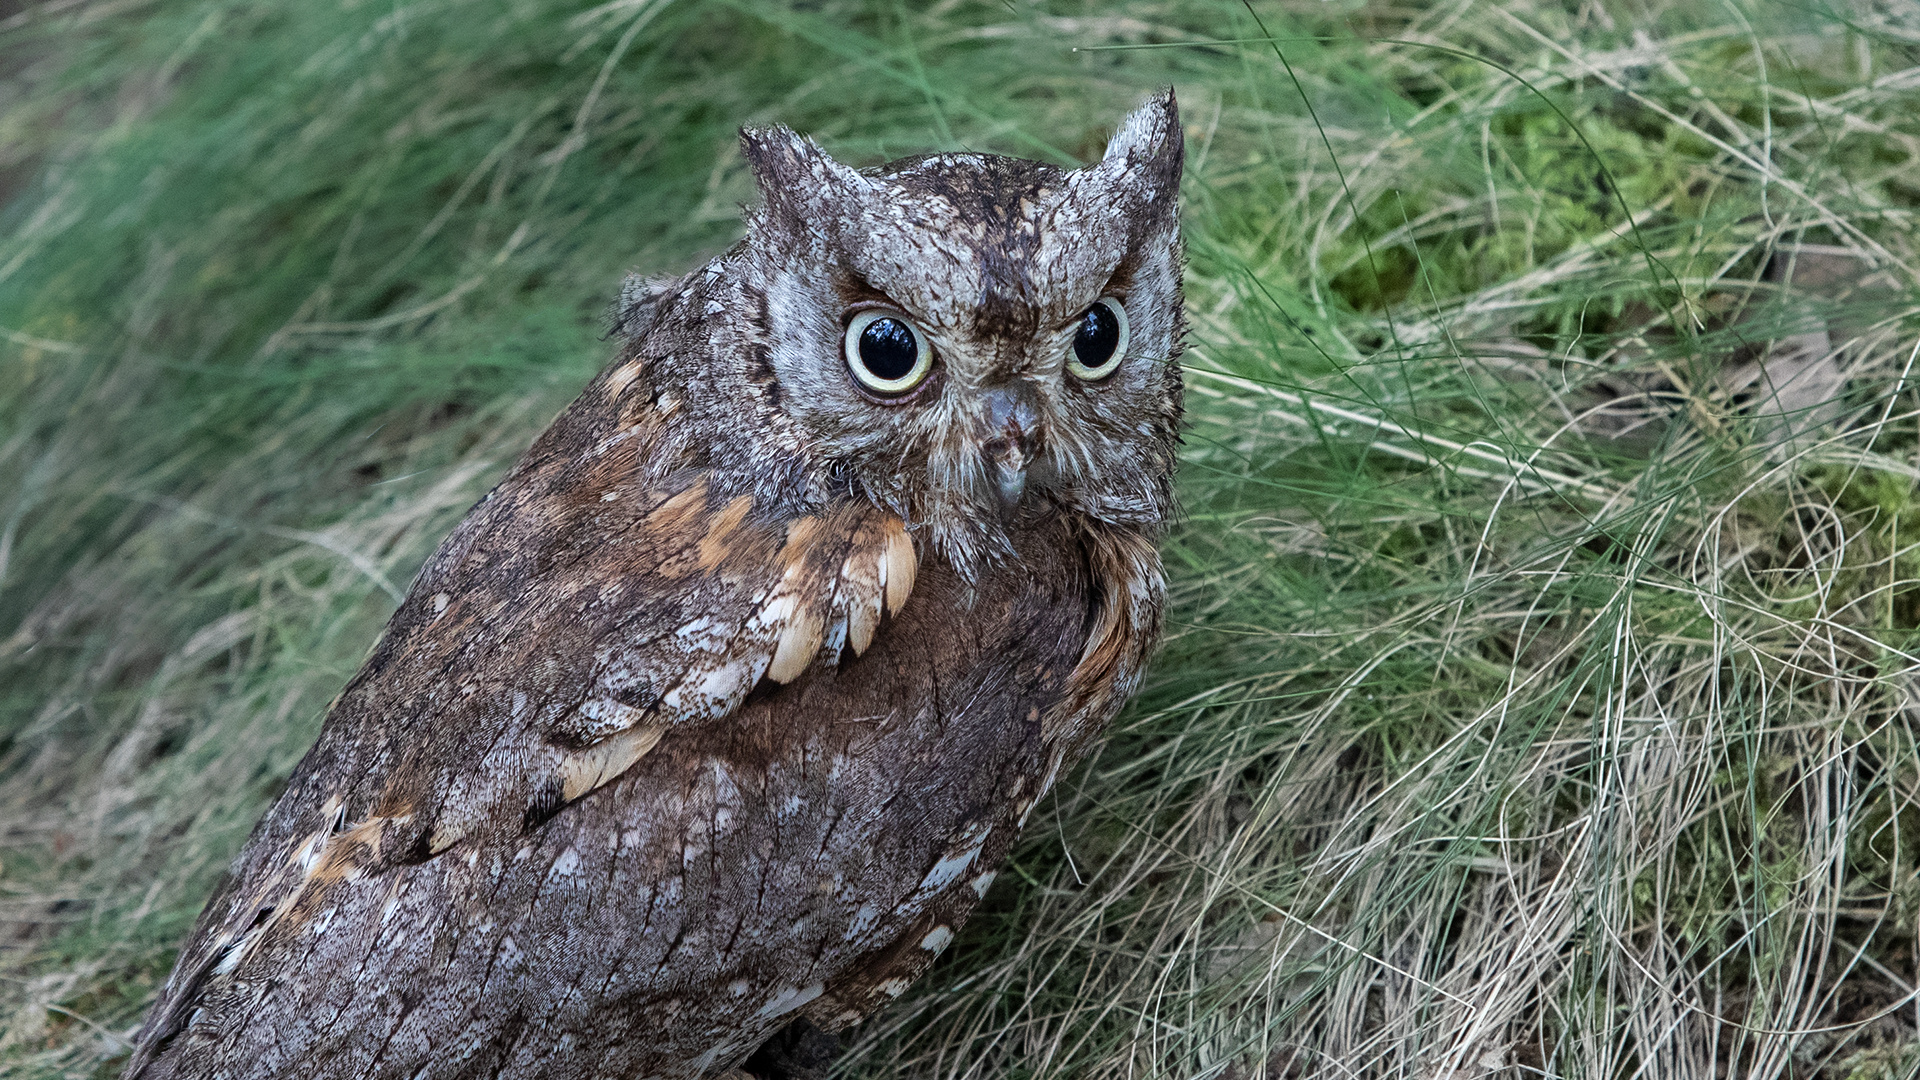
(1012, 416)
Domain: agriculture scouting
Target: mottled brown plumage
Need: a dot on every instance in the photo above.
(719, 711)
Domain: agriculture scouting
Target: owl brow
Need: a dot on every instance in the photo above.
(1120, 282)
(853, 288)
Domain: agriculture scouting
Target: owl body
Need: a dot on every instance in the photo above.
(720, 711)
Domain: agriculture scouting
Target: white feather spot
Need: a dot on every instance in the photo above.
(790, 999)
(778, 610)
(894, 987)
(984, 882)
(231, 958)
(713, 693)
(863, 920)
(440, 601)
(937, 939)
(948, 870)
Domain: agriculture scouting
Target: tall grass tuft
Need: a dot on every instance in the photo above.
(1541, 695)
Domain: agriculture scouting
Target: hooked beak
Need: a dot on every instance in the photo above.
(1012, 416)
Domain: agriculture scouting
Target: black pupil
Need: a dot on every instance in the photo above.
(1099, 335)
(888, 349)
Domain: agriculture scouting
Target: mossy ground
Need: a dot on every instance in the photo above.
(1540, 692)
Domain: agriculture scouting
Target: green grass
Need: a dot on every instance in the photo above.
(1542, 691)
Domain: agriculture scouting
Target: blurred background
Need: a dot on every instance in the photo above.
(1540, 692)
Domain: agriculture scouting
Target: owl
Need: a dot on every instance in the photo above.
(702, 734)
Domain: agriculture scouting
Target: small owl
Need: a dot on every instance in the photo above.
(710, 724)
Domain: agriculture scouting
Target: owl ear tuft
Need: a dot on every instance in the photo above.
(793, 173)
(1149, 133)
(1148, 150)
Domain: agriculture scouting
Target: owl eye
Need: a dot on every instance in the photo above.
(1100, 342)
(885, 352)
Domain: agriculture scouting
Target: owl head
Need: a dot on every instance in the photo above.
(968, 339)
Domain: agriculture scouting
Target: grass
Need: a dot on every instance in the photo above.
(1541, 692)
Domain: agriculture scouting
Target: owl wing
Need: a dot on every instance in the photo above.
(591, 604)
(673, 623)
(539, 658)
